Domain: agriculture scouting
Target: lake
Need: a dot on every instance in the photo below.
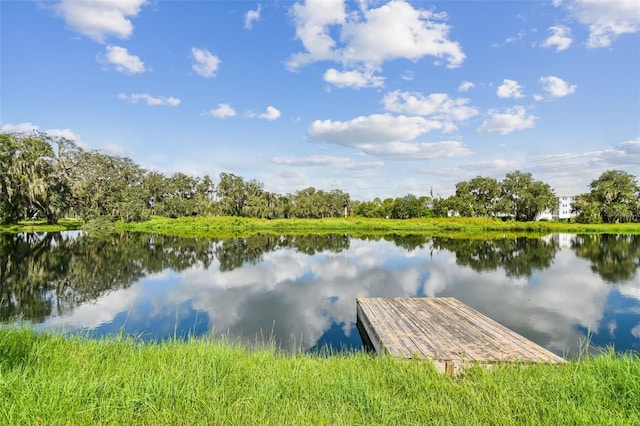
(300, 291)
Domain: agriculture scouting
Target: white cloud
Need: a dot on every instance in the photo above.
(560, 38)
(252, 16)
(377, 128)
(590, 163)
(511, 39)
(364, 39)
(465, 86)
(68, 134)
(515, 118)
(354, 79)
(397, 30)
(312, 20)
(493, 167)
(631, 147)
(100, 311)
(150, 100)
(417, 151)
(270, 114)
(292, 174)
(436, 105)
(509, 89)
(339, 163)
(635, 331)
(606, 19)
(223, 111)
(117, 149)
(28, 127)
(24, 127)
(387, 135)
(206, 64)
(407, 75)
(557, 87)
(100, 19)
(122, 60)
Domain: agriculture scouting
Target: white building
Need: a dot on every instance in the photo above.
(564, 207)
(562, 210)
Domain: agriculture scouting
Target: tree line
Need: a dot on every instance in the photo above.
(52, 177)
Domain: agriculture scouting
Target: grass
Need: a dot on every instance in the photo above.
(40, 225)
(229, 226)
(50, 379)
(215, 226)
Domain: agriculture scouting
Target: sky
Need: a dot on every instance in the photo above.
(375, 98)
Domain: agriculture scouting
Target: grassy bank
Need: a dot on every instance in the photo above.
(215, 226)
(40, 225)
(47, 379)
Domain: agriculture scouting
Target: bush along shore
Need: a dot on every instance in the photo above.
(46, 378)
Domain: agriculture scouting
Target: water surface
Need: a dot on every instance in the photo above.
(300, 291)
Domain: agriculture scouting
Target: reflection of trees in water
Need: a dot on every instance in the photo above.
(614, 257)
(233, 253)
(312, 244)
(50, 274)
(43, 274)
(409, 242)
(32, 267)
(46, 274)
(519, 257)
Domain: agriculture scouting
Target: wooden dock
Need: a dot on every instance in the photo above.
(444, 330)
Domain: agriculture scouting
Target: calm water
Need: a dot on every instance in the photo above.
(301, 290)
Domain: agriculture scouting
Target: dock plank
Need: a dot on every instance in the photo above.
(444, 330)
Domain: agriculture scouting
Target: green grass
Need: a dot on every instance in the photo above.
(229, 226)
(50, 379)
(215, 226)
(40, 225)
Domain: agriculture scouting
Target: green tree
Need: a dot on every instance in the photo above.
(524, 198)
(478, 197)
(426, 203)
(180, 196)
(441, 206)
(406, 207)
(34, 180)
(370, 208)
(387, 207)
(13, 180)
(485, 194)
(155, 189)
(462, 202)
(618, 196)
(587, 209)
(58, 198)
(231, 194)
(109, 186)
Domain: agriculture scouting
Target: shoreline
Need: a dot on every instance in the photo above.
(216, 226)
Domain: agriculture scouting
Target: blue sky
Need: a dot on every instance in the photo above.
(376, 98)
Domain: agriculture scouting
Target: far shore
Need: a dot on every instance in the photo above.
(224, 226)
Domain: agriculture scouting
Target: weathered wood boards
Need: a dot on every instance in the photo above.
(444, 330)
